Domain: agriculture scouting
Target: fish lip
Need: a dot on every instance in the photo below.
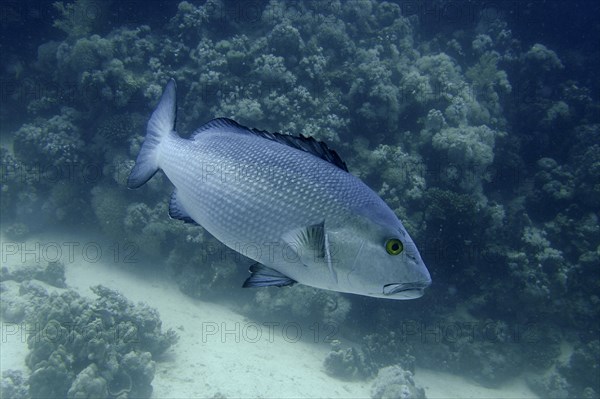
(413, 289)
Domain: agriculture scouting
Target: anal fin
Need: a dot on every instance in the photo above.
(263, 276)
(177, 211)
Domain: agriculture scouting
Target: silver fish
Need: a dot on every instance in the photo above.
(287, 202)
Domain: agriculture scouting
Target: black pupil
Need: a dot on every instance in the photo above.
(395, 247)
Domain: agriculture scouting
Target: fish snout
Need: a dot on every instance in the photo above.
(418, 273)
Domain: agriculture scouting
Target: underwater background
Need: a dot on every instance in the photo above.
(478, 122)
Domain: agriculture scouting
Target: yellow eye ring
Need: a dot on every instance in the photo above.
(394, 246)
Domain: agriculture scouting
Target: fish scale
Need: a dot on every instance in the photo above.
(291, 200)
(269, 196)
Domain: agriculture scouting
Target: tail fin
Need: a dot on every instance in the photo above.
(161, 123)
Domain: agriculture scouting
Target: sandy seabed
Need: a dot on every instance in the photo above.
(223, 352)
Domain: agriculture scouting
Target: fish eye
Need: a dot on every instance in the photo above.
(394, 246)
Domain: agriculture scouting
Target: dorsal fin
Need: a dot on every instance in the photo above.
(306, 144)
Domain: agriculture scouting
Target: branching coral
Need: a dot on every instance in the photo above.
(468, 152)
(582, 369)
(467, 146)
(88, 384)
(52, 142)
(542, 57)
(14, 385)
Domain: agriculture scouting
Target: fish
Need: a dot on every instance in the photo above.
(287, 202)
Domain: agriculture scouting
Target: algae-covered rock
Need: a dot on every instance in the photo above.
(393, 382)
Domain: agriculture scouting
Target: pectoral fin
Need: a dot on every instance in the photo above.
(312, 246)
(263, 276)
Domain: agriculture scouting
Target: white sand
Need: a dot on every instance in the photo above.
(220, 351)
(13, 345)
(443, 385)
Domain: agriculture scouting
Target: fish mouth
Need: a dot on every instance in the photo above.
(406, 290)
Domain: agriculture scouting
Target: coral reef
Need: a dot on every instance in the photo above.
(52, 142)
(88, 384)
(551, 386)
(86, 348)
(582, 370)
(348, 363)
(202, 266)
(303, 303)
(14, 385)
(575, 378)
(379, 347)
(52, 273)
